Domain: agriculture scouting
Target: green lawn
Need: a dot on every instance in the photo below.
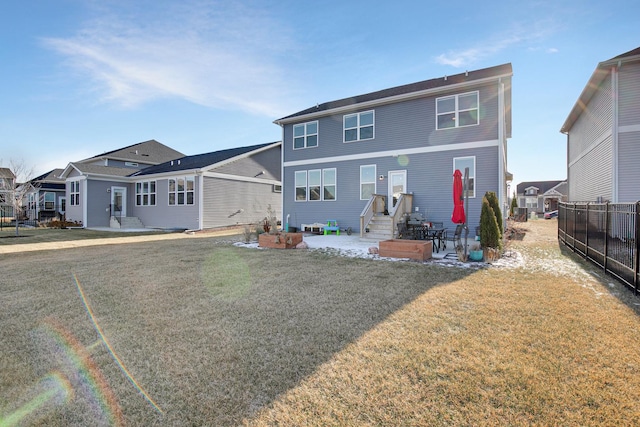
(200, 332)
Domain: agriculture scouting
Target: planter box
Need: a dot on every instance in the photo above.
(420, 250)
(280, 240)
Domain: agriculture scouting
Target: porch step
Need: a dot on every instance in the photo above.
(126, 222)
(380, 228)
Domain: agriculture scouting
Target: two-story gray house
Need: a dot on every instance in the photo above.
(367, 160)
(541, 196)
(603, 134)
(45, 198)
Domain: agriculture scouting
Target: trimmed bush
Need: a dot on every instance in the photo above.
(489, 230)
(514, 204)
(495, 205)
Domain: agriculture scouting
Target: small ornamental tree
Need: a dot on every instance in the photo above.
(495, 205)
(514, 204)
(489, 231)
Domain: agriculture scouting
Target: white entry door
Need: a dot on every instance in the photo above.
(118, 201)
(397, 185)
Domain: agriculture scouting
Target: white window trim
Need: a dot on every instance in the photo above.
(457, 110)
(375, 183)
(335, 184)
(475, 181)
(142, 193)
(358, 126)
(306, 135)
(307, 186)
(74, 190)
(185, 191)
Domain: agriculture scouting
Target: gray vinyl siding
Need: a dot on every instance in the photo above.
(99, 201)
(628, 170)
(402, 125)
(629, 98)
(223, 198)
(591, 177)
(590, 171)
(268, 161)
(164, 216)
(74, 213)
(429, 178)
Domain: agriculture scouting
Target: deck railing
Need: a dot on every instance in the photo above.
(606, 234)
(376, 205)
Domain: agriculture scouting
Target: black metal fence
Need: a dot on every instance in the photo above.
(606, 234)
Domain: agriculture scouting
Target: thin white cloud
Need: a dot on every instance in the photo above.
(216, 55)
(520, 34)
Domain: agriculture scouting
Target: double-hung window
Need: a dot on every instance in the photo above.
(359, 126)
(74, 192)
(49, 201)
(305, 135)
(461, 163)
(457, 110)
(146, 193)
(182, 191)
(367, 181)
(316, 185)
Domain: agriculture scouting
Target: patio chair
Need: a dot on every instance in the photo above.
(441, 234)
(403, 231)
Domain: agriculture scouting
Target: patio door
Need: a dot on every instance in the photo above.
(397, 185)
(118, 201)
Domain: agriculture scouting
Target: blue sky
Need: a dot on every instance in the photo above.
(81, 77)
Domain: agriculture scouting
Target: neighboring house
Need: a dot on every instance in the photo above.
(46, 197)
(7, 184)
(222, 188)
(152, 185)
(367, 160)
(541, 196)
(603, 134)
(99, 187)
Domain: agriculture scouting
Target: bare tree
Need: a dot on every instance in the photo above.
(14, 186)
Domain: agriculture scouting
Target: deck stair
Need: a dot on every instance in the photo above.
(380, 228)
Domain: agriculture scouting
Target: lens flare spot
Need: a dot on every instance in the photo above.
(403, 160)
(225, 274)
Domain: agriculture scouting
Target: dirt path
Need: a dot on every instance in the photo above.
(29, 247)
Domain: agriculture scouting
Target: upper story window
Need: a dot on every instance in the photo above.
(74, 192)
(182, 191)
(531, 191)
(305, 135)
(359, 126)
(146, 193)
(461, 163)
(49, 200)
(457, 110)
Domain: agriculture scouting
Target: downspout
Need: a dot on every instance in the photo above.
(614, 131)
(501, 148)
(282, 175)
(85, 202)
(200, 200)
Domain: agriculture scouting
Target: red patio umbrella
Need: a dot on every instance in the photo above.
(458, 216)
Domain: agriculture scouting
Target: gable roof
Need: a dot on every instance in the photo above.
(54, 175)
(542, 186)
(148, 152)
(6, 173)
(393, 94)
(200, 161)
(602, 70)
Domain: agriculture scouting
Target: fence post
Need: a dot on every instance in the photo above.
(637, 246)
(586, 232)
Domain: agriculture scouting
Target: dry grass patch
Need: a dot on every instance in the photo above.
(210, 332)
(221, 335)
(499, 347)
